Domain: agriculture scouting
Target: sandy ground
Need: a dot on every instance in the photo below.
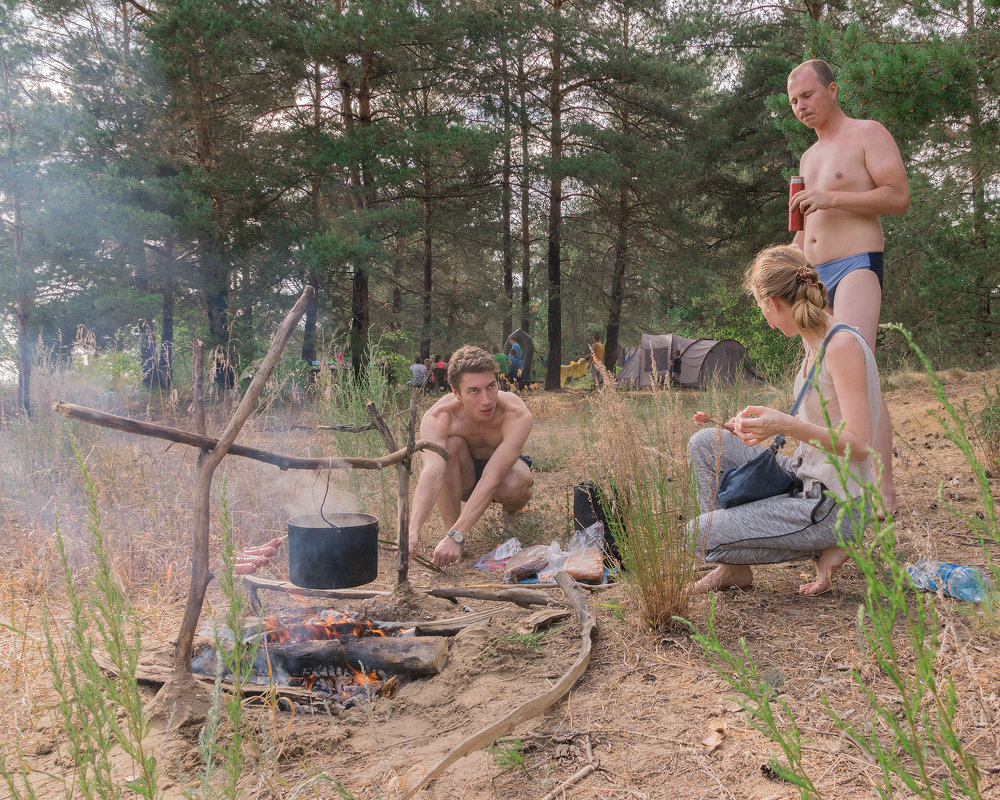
(650, 714)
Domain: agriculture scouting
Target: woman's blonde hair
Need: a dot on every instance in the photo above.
(783, 273)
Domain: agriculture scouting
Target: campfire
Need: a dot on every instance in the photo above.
(335, 655)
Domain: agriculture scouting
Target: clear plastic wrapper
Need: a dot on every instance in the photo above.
(592, 536)
(497, 559)
(585, 560)
(556, 558)
(585, 565)
(527, 562)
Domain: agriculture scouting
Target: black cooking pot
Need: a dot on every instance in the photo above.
(337, 556)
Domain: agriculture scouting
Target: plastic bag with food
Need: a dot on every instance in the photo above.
(532, 561)
(556, 560)
(585, 561)
(497, 559)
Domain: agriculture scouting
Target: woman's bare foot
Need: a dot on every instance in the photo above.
(725, 576)
(828, 562)
(890, 505)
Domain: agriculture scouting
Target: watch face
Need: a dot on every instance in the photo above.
(458, 537)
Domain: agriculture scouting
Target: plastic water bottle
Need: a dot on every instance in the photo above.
(955, 580)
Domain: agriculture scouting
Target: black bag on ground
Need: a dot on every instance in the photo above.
(761, 476)
(589, 505)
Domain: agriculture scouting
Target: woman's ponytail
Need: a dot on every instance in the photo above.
(783, 273)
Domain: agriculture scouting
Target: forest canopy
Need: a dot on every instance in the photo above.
(442, 172)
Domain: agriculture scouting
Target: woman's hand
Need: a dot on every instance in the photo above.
(754, 424)
(702, 418)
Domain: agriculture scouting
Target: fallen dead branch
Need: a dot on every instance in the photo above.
(440, 627)
(574, 778)
(590, 587)
(522, 597)
(533, 707)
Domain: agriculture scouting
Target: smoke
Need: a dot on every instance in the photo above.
(309, 493)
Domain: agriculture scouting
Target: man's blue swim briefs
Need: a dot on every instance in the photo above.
(833, 272)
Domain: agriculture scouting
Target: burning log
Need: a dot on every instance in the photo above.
(418, 655)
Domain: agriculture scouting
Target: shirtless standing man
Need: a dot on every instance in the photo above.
(853, 173)
(483, 430)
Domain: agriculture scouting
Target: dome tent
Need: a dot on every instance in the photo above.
(702, 361)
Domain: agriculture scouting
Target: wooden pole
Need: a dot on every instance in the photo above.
(208, 461)
(402, 489)
(197, 388)
(403, 557)
(126, 425)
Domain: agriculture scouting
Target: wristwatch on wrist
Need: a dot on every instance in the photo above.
(457, 536)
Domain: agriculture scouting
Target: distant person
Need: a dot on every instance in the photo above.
(418, 373)
(675, 367)
(484, 430)
(439, 374)
(595, 356)
(516, 369)
(853, 173)
(503, 363)
(802, 525)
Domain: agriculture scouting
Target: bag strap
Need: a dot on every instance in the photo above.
(779, 440)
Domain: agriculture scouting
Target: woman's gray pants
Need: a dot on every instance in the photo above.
(769, 531)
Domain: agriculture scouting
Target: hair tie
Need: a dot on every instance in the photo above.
(803, 276)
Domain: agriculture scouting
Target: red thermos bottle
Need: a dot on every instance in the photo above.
(796, 184)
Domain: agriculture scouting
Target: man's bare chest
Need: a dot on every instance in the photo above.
(481, 439)
(832, 168)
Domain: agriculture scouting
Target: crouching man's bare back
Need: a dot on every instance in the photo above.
(483, 430)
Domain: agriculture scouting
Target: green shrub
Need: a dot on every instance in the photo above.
(987, 430)
(89, 697)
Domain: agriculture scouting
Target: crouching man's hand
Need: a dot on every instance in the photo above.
(448, 551)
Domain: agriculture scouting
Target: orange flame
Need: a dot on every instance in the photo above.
(330, 625)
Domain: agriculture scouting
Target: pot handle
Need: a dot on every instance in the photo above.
(332, 526)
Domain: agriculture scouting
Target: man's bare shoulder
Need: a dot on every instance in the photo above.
(511, 403)
(443, 412)
(810, 152)
(867, 132)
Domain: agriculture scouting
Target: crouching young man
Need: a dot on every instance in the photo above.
(484, 430)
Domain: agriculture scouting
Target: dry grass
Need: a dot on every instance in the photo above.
(648, 699)
(644, 461)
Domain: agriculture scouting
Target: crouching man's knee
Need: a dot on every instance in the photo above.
(515, 491)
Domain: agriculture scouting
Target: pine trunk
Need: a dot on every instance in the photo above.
(552, 378)
(522, 83)
(506, 241)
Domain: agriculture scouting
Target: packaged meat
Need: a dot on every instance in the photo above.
(528, 561)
